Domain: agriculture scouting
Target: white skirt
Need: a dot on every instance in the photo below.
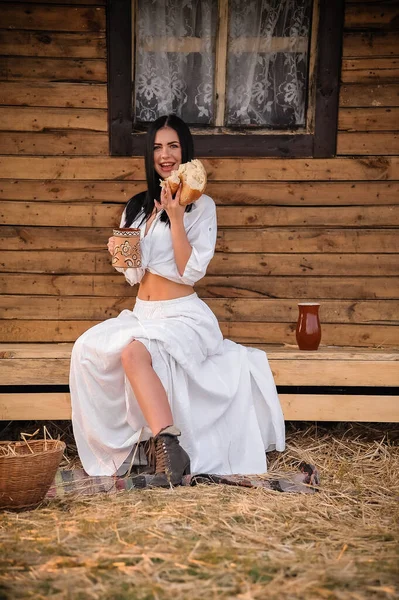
(222, 395)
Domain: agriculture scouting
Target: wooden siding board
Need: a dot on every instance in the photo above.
(367, 95)
(52, 18)
(18, 118)
(222, 286)
(250, 169)
(82, 2)
(370, 70)
(369, 119)
(370, 44)
(360, 142)
(307, 264)
(58, 95)
(333, 334)
(72, 190)
(316, 240)
(376, 63)
(370, 75)
(279, 239)
(63, 142)
(53, 69)
(297, 287)
(225, 193)
(103, 215)
(383, 15)
(259, 310)
(381, 3)
(52, 44)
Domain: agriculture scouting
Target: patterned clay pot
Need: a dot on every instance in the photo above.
(127, 252)
(308, 330)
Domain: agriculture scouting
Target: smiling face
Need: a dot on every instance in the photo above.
(167, 151)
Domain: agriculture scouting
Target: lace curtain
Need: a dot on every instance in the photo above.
(180, 80)
(267, 61)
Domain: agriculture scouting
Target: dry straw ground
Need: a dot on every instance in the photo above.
(218, 541)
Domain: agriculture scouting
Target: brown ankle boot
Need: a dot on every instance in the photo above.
(171, 461)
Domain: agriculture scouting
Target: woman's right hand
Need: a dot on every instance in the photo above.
(111, 245)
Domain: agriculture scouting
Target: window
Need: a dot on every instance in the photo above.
(251, 77)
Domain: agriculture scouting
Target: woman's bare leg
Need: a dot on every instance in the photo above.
(147, 386)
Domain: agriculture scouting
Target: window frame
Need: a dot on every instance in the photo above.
(319, 142)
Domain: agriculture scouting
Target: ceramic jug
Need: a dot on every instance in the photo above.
(308, 330)
(127, 251)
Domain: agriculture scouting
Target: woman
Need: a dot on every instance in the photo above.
(163, 369)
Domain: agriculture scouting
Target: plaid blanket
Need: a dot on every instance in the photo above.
(76, 481)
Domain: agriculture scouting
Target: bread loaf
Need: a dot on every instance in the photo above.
(192, 176)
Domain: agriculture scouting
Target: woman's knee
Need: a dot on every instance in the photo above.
(134, 356)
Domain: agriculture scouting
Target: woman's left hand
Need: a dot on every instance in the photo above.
(170, 204)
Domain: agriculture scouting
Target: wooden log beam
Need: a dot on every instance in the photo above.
(328, 67)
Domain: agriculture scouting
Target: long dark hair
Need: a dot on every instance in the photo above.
(144, 202)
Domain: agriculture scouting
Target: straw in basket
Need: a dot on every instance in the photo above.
(27, 470)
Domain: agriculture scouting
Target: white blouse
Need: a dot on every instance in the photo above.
(157, 254)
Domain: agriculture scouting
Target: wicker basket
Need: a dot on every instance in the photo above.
(27, 469)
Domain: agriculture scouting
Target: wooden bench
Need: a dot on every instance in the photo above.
(369, 373)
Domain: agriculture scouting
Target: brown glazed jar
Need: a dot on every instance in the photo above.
(308, 330)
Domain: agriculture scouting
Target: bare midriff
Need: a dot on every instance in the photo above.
(155, 287)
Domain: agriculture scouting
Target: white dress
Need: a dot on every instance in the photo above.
(222, 395)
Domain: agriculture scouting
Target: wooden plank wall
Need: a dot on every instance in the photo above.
(289, 230)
